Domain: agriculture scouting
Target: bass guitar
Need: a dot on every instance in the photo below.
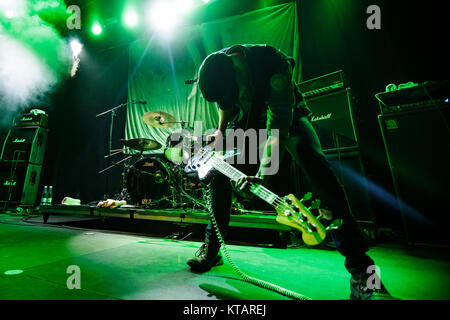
(290, 210)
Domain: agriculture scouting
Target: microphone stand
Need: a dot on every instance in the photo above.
(111, 125)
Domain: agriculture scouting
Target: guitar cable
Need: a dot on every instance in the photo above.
(241, 274)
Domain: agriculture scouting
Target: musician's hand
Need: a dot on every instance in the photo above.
(213, 139)
(327, 214)
(243, 184)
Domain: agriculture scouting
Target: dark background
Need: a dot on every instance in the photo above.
(411, 46)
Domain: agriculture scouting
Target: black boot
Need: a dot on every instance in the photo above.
(205, 258)
(360, 291)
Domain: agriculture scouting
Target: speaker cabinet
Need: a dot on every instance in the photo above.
(19, 182)
(418, 151)
(25, 144)
(333, 119)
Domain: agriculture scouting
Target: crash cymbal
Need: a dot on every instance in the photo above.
(159, 119)
(142, 144)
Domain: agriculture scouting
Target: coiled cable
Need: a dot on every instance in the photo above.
(241, 274)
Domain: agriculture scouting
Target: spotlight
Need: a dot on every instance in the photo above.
(163, 17)
(76, 47)
(9, 14)
(130, 19)
(97, 28)
(184, 5)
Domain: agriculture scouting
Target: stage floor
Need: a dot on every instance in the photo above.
(124, 266)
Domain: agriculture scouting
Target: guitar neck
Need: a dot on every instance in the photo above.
(234, 174)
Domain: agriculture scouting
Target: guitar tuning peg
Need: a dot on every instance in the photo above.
(306, 197)
(288, 200)
(315, 204)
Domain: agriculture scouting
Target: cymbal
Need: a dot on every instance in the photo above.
(159, 119)
(142, 144)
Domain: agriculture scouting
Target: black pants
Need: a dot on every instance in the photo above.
(304, 147)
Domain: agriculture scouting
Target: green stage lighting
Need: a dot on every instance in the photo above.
(76, 47)
(130, 18)
(9, 14)
(97, 29)
(184, 6)
(163, 17)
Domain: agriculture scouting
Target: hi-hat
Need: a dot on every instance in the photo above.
(159, 119)
(142, 144)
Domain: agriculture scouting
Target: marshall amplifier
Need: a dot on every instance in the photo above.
(25, 144)
(31, 120)
(19, 182)
(324, 84)
(332, 118)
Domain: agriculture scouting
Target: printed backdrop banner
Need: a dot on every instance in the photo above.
(158, 70)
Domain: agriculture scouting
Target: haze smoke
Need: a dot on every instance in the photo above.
(34, 57)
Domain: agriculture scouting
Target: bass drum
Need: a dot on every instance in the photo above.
(148, 182)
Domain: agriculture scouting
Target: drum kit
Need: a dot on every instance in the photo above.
(158, 180)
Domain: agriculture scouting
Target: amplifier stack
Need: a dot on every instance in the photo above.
(414, 124)
(21, 160)
(331, 102)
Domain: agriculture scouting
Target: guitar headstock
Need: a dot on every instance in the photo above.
(296, 214)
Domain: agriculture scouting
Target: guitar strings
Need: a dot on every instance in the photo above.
(220, 164)
(261, 189)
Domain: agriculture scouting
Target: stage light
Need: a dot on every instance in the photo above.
(184, 5)
(97, 28)
(130, 19)
(163, 17)
(76, 47)
(9, 14)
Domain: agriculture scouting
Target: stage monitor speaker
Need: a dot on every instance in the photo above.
(19, 182)
(417, 144)
(349, 169)
(332, 118)
(25, 144)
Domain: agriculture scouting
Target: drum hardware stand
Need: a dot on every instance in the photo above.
(111, 125)
(124, 195)
(180, 122)
(115, 164)
(114, 152)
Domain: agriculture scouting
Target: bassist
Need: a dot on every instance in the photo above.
(256, 81)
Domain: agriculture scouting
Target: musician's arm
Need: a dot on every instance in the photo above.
(279, 117)
(225, 116)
